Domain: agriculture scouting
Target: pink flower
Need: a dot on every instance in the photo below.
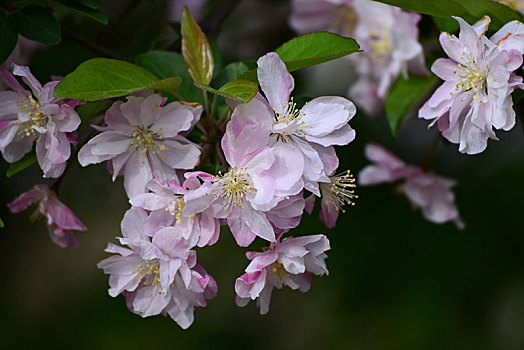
(27, 117)
(309, 16)
(159, 273)
(142, 137)
(479, 79)
(61, 221)
(335, 195)
(240, 196)
(429, 192)
(287, 263)
(307, 130)
(166, 199)
(389, 38)
(287, 213)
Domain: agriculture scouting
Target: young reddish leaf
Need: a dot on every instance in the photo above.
(196, 50)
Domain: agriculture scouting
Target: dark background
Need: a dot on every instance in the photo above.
(396, 281)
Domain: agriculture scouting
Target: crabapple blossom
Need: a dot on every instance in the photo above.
(27, 117)
(430, 192)
(389, 38)
(479, 77)
(308, 130)
(143, 137)
(166, 199)
(60, 220)
(289, 263)
(240, 195)
(158, 274)
(336, 193)
(387, 35)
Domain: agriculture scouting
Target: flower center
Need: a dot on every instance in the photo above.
(380, 43)
(472, 78)
(148, 272)
(339, 191)
(279, 270)
(147, 139)
(234, 186)
(37, 120)
(291, 114)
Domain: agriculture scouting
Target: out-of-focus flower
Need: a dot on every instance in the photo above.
(306, 129)
(517, 5)
(289, 263)
(159, 273)
(387, 35)
(429, 192)
(27, 117)
(479, 79)
(389, 38)
(336, 16)
(142, 137)
(167, 199)
(60, 220)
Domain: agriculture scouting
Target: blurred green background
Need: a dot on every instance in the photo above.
(396, 281)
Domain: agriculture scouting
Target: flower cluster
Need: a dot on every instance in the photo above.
(479, 78)
(273, 157)
(274, 151)
(426, 191)
(387, 35)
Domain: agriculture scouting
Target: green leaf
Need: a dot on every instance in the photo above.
(91, 109)
(101, 78)
(38, 24)
(165, 64)
(84, 10)
(168, 85)
(241, 90)
(8, 36)
(309, 50)
(470, 10)
(196, 50)
(22, 164)
(94, 4)
(448, 25)
(1, 223)
(315, 48)
(404, 96)
(230, 72)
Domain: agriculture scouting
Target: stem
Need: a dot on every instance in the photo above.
(430, 150)
(213, 109)
(206, 103)
(95, 48)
